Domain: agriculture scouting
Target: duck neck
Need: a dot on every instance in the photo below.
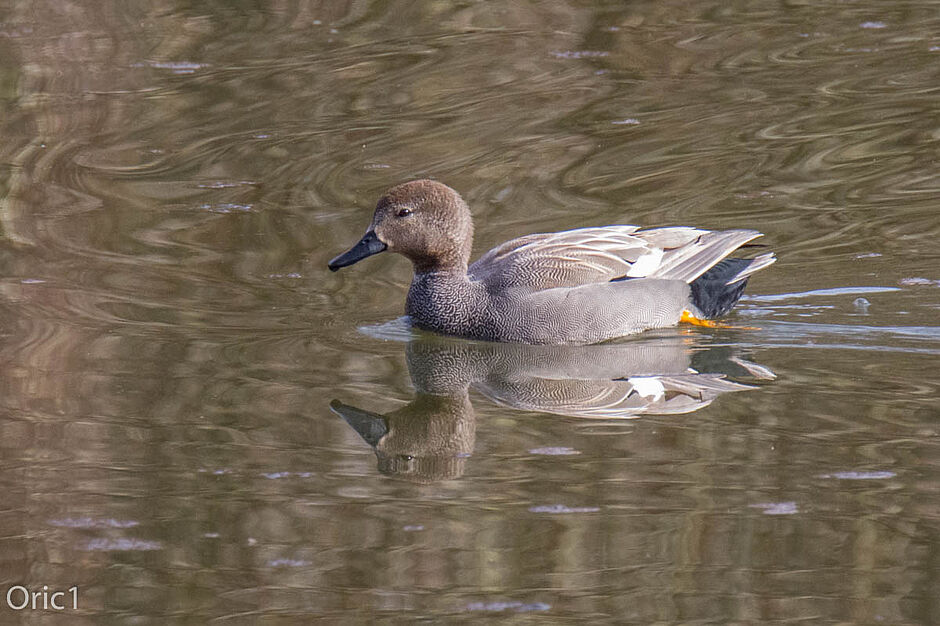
(454, 266)
(449, 254)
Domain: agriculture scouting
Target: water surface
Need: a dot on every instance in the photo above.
(199, 422)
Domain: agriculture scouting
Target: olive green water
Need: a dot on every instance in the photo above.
(199, 422)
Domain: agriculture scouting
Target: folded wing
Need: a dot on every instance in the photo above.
(593, 255)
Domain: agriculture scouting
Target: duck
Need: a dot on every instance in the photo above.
(582, 286)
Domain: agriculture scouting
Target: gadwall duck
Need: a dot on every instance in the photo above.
(576, 286)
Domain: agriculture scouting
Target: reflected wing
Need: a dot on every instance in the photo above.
(613, 399)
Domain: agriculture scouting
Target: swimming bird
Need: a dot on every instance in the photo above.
(580, 286)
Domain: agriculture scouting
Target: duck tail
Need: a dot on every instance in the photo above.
(716, 291)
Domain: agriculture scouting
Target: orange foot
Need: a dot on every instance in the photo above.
(691, 319)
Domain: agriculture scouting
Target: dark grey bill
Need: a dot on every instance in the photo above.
(367, 246)
(370, 426)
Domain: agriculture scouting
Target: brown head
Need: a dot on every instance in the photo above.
(424, 220)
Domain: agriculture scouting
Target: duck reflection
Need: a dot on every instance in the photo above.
(430, 438)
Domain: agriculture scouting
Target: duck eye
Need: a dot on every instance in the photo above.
(403, 212)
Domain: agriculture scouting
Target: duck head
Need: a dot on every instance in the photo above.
(424, 220)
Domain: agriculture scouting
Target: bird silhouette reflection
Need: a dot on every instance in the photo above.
(432, 437)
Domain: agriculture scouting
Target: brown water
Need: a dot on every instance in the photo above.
(191, 416)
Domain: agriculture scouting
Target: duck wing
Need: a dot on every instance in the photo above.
(612, 399)
(595, 255)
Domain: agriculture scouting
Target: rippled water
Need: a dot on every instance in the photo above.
(199, 422)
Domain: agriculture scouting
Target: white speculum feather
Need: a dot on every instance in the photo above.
(648, 386)
(647, 263)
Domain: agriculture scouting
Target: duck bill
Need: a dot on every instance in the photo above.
(370, 426)
(367, 246)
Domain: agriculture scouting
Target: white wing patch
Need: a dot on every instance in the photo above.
(647, 263)
(648, 386)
